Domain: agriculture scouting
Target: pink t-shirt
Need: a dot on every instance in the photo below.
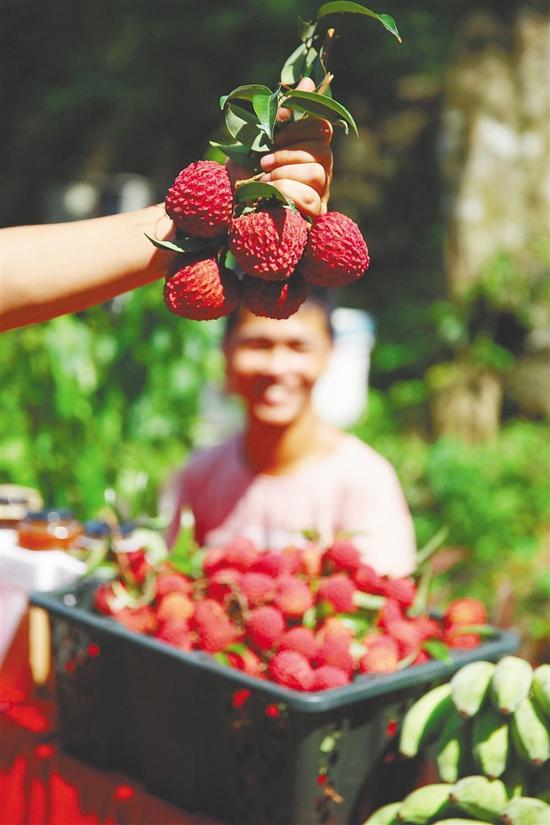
(352, 489)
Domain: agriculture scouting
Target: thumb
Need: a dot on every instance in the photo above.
(306, 84)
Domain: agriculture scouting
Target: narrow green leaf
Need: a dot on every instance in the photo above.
(239, 153)
(247, 92)
(437, 650)
(477, 629)
(254, 190)
(431, 546)
(343, 6)
(166, 245)
(266, 107)
(293, 68)
(319, 106)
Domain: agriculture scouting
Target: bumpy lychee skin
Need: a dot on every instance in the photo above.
(336, 253)
(201, 292)
(300, 639)
(335, 652)
(291, 669)
(342, 555)
(258, 588)
(338, 591)
(241, 553)
(200, 201)
(264, 626)
(273, 564)
(381, 656)
(368, 580)
(402, 590)
(269, 243)
(327, 677)
(465, 611)
(279, 299)
(293, 597)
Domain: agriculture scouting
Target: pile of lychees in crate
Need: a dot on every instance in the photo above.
(306, 618)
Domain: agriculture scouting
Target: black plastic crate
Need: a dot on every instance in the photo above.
(172, 719)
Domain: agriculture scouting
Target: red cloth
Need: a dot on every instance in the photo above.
(42, 785)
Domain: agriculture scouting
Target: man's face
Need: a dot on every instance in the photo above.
(272, 365)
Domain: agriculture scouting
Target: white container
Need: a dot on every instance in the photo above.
(21, 572)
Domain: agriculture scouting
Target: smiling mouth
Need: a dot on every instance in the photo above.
(275, 395)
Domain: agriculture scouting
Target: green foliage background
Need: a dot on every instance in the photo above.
(93, 400)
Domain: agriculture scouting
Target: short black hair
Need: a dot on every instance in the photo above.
(317, 295)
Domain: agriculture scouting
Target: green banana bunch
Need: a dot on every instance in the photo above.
(530, 733)
(423, 804)
(510, 684)
(490, 742)
(540, 689)
(480, 797)
(385, 816)
(424, 719)
(526, 810)
(451, 746)
(469, 687)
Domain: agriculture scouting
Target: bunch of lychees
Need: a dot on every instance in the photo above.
(305, 618)
(250, 245)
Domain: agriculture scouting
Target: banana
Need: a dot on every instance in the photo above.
(510, 683)
(385, 816)
(530, 733)
(540, 786)
(540, 689)
(490, 742)
(469, 687)
(423, 719)
(451, 746)
(517, 780)
(458, 821)
(480, 797)
(423, 804)
(526, 810)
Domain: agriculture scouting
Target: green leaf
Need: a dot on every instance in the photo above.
(184, 245)
(343, 6)
(309, 619)
(239, 153)
(293, 69)
(266, 107)
(478, 629)
(306, 29)
(254, 190)
(431, 546)
(319, 106)
(244, 127)
(437, 650)
(167, 245)
(247, 92)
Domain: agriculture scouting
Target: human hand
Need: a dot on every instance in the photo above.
(300, 165)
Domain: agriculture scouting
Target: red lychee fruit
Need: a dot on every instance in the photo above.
(336, 253)
(301, 639)
(402, 590)
(465, 611)
(368, 580)
(215, 636)
(272, 564)
(241, 553)
(334, 628)
(327, 677)
(428, 628)
(257, 588)
(201, 292)
(207, 611)
(200, 201)
(175, 632)
(138, 619)
(173, 583)
(175, 605)
(466, 641)
(335, 651)
(293, 597)
(104, 599)
(407, 635)
(291, 669)
(268, 243)
(214, 559)
(222, 583)
(247, 661)
(264, 626)
(311, 561)
(381, 655)
(390, 612)
(422, 658)
(277, 299)
(342, 555)
(338, 591)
